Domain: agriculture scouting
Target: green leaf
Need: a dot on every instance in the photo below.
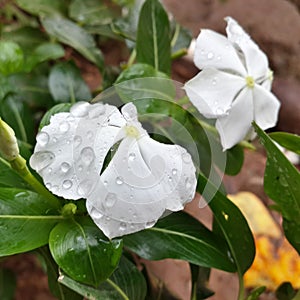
(83, 252)
(43, 53)
(234, 160)
(5, 87)
(282, 185)
(42, 7)
(180, 236)
(181, 39)
(126, 283)
(234, 227)
(11, 58)
(57, 289)
(285, 292)
(7, 284)
(287, 140)
(28, 38)
(9, 178)
(26, 220)
(67, 85)
(139, 71)
(62, 107)
(256, 293)
(153, 43)
(75, 36)
(17, 114)
(90, 12)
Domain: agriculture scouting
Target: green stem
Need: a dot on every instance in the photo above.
(117, 288)
(131, 58)
(179, 53)
(297, 296)
(19, 165)
(241, 294)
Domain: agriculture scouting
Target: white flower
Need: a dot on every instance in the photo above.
(143, 180)
(234, 84)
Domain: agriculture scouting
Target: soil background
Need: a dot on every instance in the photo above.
(275, 26)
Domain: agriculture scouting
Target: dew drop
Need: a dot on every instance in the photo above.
(202, 52)
(48, 185)
(188, 183)
(89, 135)
(54, 189)
(210, 55)
(41, 160)
(174, 171)
(87, 155)
(42, 138)
(119, 180)
(105, 182)
(131, 156)
(110, 200)
(54, 140)
(67, 184)
(186, 157)
(80, 109)
(84, 187)
(65, 167)
(96, 110)
(64, 127)
(123, 226)
(219, 57)
(77, 141)
(219, 111)
(95, 214)
(214, 81)
(50, 170)
(80, 168)
(283, 181)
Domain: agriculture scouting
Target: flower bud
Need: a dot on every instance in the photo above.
(8, 142)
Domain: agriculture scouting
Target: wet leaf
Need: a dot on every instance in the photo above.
(83, 252)
(23, 213)
(287, 140)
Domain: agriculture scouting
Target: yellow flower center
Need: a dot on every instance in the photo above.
(250, 82)
(132, 131)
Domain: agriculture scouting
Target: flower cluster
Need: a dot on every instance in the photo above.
(143, 180)
(234, 84)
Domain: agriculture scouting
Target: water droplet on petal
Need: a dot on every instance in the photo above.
(65, 167)
(64, 127)
(77, 141)
(123, 226)
(67, 184)
(50, 170)
(219, 111)
(131, 156)
(84, 187)
(105, 182)
(219, 57)
(96, 110)
(174, 171)
(214, 81)
(42, 138)
(80, 109)
(54, 189)
(186, 157)
(87, 155)
(41, 160)
(188, 183)
(210, 55)
(54, 140)
(110, 200)
(48, 185)
(95, 214)
(119, 180)
(89, 135)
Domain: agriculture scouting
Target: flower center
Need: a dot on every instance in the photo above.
(250, 82)
(132, 131)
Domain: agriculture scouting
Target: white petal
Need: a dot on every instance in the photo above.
(70, 151)
(213, 50)
(234, 127)
(143, 180)
(256, 61)
(266, 107)
(212, 91)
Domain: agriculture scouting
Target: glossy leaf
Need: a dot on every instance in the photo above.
(7, 284)
(126, 282)
(42, 7)
(235, 159)
(153, 43)
(180, 236)
(60, 291)
(287, 140)
(282, 185)
(11, 58)
(26, 220)
(90, 12)
(43, 53)
(233, 225)
(61, 107)
(83, 252)
(67, 85)
(9, 178)
(75, 36)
